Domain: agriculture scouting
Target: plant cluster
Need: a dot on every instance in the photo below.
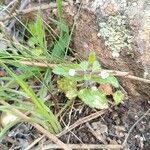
(15, 86)
(116, 34)
(80, 80)
(25, 87)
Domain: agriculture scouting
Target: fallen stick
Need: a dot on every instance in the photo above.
(76, 124)
(35, 142)
(82, 121)
(113, 72)
(84, 146)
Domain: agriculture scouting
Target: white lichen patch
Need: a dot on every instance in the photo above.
(116, 34)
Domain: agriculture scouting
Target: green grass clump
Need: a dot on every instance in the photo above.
(16, 87)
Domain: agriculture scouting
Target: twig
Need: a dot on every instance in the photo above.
(113, 72)
(84, 146)
(10, 4)
(24, 3)
(35, 142)
(82, 121)
(52, 137)
(32, 9)
(146, 113)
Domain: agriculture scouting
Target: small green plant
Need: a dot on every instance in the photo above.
(81, 80)
(116, 34)
(37, 40)
(16, 87)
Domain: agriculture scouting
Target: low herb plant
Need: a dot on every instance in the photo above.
(81, 80)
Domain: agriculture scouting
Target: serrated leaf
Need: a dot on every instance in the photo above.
(93, 98)
(111, 80)
(71, 94)
(67, 86)
(91, 58)
(118, 97)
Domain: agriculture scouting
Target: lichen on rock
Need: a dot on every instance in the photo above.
(115, 33)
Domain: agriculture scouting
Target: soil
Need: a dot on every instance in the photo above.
(116, 123)
(118, 120)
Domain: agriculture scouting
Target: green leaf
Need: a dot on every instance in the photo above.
(68, 86)
(59, 47)
(47, 85)
(59, 8)
(40, 31)
(93, 98)
(71, 94)
(77, 78)
(110, 80)
(61, 25)
(96, 66)
(84, 65)
(63, 69)
(91, 58)
(32, 42)
(118, 97)
(37, 31)
(37, 51)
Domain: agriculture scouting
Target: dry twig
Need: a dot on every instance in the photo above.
(84, 146)
(82, 121)
(35, 142)
(113, 72)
